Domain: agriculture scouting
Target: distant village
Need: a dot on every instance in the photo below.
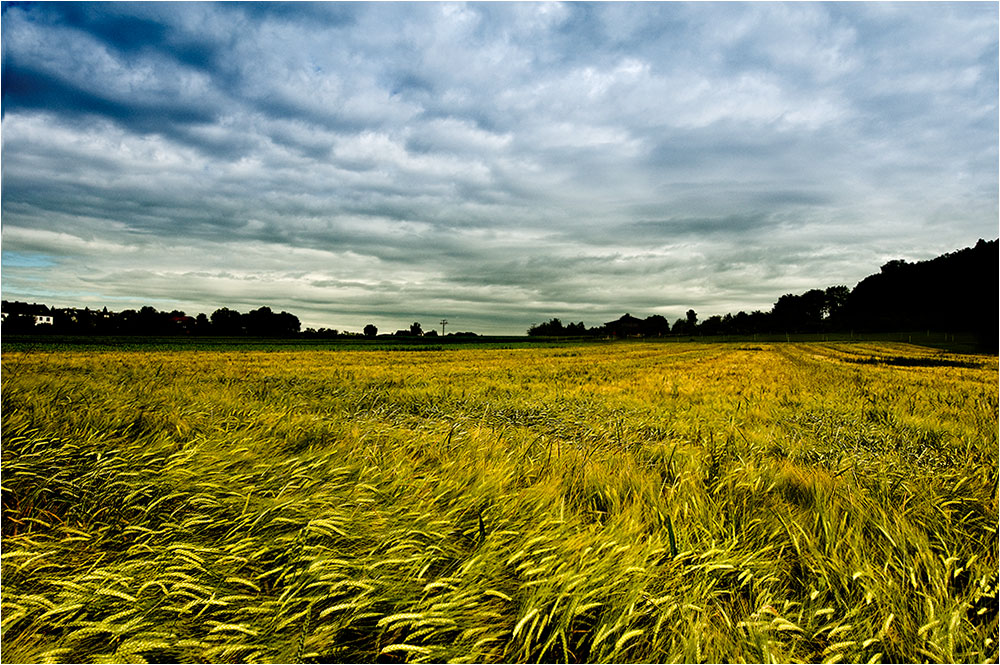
(34, 318)
(22, 317)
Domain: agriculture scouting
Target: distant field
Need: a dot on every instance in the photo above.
(951, 342)
(599, 502)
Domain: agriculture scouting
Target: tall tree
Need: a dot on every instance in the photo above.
(655, 325)
(227, 322)
(836, 301)
(553, 328)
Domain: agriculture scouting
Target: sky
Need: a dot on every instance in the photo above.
(492, 164)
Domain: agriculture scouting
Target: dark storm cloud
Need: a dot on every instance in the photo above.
(128, 33)
(25, 88)
(490, 162)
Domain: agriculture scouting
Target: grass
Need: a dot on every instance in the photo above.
(107, 343)
(574, 503)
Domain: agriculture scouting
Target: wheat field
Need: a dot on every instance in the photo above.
(626, 502)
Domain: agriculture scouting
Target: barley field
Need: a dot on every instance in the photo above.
(626, 502)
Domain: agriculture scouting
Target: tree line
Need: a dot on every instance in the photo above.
(34, 318)
(955, 292)
(22, 317)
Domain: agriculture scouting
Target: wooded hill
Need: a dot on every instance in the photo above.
(955, 292)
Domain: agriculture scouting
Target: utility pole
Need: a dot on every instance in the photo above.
(444, 322)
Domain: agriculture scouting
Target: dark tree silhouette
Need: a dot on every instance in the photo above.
(813, 309)
(151, 322)
(955, 292)
(227, 322)
(371, 330)
(836, 302)
(655, 325)
(711, 326)
(741, 323)
(552, 328)
(263, 322)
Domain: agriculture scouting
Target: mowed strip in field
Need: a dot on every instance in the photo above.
(599, 502)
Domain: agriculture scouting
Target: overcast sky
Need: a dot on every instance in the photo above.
(493, 164)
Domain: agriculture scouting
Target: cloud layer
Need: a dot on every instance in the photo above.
(494, 164)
